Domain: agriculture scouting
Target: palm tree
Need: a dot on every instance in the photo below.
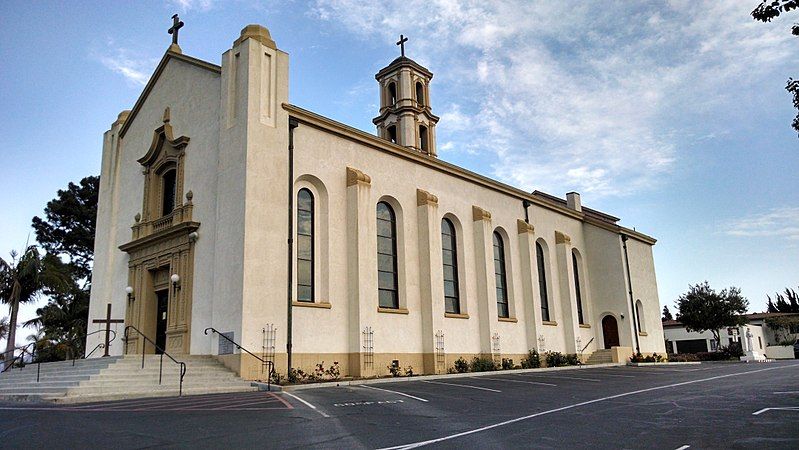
(21, 280)
(3, 328)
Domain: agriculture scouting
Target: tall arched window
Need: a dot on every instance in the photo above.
(500, 276)
(449, 256)
(577, 290)
(542, 282)
(392, 94)
(305, 246)
(387, 256)
(419, 93)
(639, 315)
(392, 133)
(423, 138)
(169, 180)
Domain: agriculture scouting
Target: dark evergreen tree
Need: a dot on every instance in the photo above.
(784, 303)
(66, 233)
(666, 313)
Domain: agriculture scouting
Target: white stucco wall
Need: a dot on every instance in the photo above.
(237, 168)
(192, 95)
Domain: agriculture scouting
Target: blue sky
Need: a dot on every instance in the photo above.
(670, 115)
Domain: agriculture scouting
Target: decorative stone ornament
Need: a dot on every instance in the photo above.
(425, 198)
(355, 177)
(479, 213)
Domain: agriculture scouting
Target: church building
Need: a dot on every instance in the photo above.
(305, 240)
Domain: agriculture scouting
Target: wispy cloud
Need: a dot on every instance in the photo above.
(135, 69)
(782, 223)
(570, 95)
(192, 5)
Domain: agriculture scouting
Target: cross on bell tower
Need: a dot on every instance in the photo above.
(401, 43)
(177, 24)
(405, 115)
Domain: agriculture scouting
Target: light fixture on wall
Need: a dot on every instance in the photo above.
(622, 316)
(175, 278)
(193, 236)
(129, 291)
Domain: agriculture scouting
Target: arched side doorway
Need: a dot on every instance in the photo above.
(610, 331)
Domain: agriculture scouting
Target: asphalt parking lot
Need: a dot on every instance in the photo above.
(712, 405)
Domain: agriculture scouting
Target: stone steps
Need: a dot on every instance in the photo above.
(602, 356)
(117, 378)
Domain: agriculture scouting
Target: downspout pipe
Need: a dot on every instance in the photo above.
(630, 291)
(526, 204)
(293, 123)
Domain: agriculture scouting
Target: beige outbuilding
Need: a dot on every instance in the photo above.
(305, 240)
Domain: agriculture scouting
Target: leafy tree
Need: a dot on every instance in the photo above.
(67, 234)
(666, 313)
(787, 303)
(765, 12)
(3, 328)
(22, 278)
(703, 309)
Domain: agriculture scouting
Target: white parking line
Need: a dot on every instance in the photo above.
(576, 405)
(787, 408)
(461, 385)
(683, 447)
(394, 392)
(306, 403)
(567, 378)
(787, 392)
(606, 374)
(513, 381)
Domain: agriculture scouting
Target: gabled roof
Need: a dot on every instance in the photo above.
(171, 53)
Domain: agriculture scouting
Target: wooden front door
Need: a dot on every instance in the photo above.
(610, 331)
(160, 320)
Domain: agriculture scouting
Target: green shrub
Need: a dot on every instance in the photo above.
(394, 369)
(712, 356)
(558, 359)
(683, 357)
(482, 364)
(461, 365)
(532, 361)
(507, 364)
(733, 351)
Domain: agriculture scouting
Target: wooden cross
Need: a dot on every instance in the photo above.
(108, 321)
(176, 25)
(401, 43)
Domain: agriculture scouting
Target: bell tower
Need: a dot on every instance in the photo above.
(405, 115)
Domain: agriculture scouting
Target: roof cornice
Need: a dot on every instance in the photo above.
(375, 142)
(170, 54)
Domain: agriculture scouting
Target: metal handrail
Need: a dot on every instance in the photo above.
(163, 352)
(264, 362)
(100, 345)
(21, 356)
(586, 345)
(71, 341)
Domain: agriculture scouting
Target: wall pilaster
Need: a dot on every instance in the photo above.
(431, 281)
(486, 283)
(361, 268)
(568, 300)
(530, 293)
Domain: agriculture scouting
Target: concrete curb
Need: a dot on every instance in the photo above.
(650, 364)
(263, 387)
(301, 387)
